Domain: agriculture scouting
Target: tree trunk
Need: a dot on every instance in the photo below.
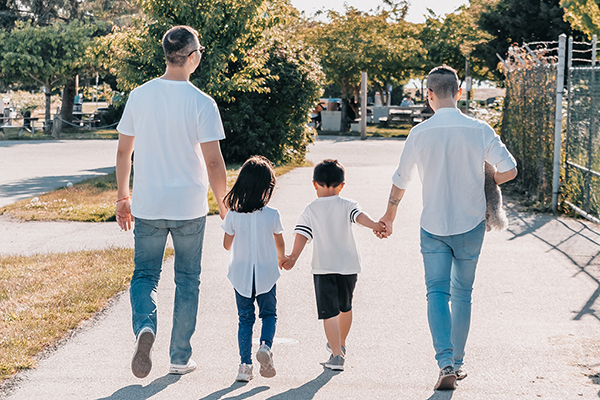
(68, 99)
(345, 127)
(48, 118)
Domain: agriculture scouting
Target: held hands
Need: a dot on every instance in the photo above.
(288, 263)
(387, 228)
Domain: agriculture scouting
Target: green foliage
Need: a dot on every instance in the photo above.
(451, 38)
(518, 21)
(583, 15)
(272, 121)
(383, 44)
(43, 55)
(265, 86)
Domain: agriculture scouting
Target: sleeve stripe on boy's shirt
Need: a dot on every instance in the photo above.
(353, 214)
(305, 229)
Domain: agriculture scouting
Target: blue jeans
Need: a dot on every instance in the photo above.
(267, 306)
(150, 240)
(450, 263)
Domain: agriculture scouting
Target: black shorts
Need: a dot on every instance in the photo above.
(334, 294)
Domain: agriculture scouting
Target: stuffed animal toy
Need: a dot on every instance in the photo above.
(495, 217)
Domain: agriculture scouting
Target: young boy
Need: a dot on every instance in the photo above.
(335, 263)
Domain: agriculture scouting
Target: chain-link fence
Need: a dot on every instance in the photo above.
(528, 116)
(581, 184)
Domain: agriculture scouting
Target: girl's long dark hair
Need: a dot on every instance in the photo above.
(254, 186)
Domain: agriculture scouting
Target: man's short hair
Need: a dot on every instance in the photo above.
(329, 173)
(443, 81)
(177, 44)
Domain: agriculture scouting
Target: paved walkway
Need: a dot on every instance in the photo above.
(535, 330)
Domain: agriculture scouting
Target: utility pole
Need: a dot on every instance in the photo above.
(467, 85)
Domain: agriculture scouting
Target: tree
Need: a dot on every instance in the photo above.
(264, 85)
(44, 55)
(452, 38)
(583, 15)
(383, 44)
(518, 21)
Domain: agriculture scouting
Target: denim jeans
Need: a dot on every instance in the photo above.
(450, 263)
(267, 306)
(150, 240)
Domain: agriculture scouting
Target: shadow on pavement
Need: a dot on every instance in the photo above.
(441, 395)
(309, 389)
(234, 386)
(139, 392)
(36, 186)
(572, 238)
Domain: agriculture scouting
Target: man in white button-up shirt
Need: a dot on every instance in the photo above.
(449, 151)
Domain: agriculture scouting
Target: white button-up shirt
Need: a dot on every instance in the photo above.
(253, 254)
(449, 151)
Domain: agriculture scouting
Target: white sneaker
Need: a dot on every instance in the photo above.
(183, 369)
(265, 358)
(141, 363)
(245, 373)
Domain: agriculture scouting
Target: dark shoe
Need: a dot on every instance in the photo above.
(461, 374)
(447, 379)
(141, 363)
(335, 363)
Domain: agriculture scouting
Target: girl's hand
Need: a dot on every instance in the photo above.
(282, 261)
(289, 262)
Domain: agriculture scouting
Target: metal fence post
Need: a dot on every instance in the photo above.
(587, 194)
(569, 104)
(560, 85)
(363, 106)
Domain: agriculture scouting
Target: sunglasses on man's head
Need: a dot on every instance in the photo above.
(199, 49)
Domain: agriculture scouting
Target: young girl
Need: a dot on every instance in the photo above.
(253, 232)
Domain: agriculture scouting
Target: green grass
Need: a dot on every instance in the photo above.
(393, 131)
(42, 297)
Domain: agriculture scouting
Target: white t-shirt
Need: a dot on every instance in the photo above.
(253, 252)
(327, 222)
(169, 120)
(449, 151)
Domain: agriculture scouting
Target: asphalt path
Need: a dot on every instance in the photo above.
(28, 168)
(535, 328)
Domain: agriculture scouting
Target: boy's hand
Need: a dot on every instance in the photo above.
(387, 231)
(379, 230)
(289, 262)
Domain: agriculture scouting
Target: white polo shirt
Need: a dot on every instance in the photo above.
(169, 120)
(327, 222)
(449, 151)
(253, 253)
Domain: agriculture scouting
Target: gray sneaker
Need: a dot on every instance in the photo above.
(265, 358)
(447, 379)
(328, 347)
(141, 363)
(335, 363)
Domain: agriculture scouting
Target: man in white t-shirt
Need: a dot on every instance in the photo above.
(449, 151)
(176, 129)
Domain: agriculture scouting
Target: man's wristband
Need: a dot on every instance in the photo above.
(124, 198)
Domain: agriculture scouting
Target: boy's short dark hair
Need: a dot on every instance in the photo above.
(177, 43)
(329, 173)
(443, 81)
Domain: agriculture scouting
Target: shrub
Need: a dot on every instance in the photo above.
(273, 122)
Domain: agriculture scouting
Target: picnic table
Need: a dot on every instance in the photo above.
(28, 125)
(85, 119)
(411, 115)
